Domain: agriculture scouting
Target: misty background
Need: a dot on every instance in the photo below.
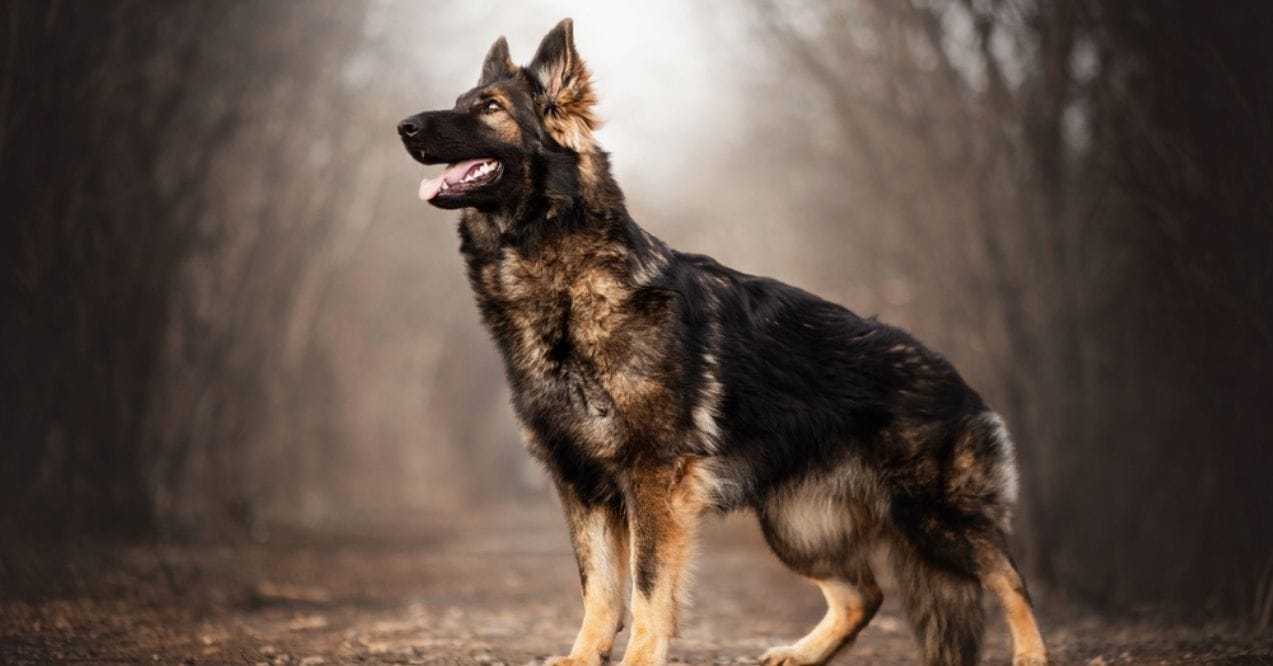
(226, 312)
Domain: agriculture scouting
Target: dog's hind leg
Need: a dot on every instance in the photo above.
(850, 606)
(999, 575)
(600, 539)
(821, 535)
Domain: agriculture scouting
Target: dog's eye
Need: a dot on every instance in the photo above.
(491, 107)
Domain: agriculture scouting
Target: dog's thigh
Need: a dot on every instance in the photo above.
(817, 530)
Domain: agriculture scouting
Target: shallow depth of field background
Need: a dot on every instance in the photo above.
(226, 313)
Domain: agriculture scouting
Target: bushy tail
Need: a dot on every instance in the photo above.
(944, 610)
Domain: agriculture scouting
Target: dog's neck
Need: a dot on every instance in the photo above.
(596, 210)
(584, 198)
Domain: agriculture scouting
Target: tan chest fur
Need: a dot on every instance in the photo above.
(570, 322)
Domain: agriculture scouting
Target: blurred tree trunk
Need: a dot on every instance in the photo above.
(92, 251)
(1173, 488)
(161, 328)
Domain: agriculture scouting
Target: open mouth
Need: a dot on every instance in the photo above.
(462, 178)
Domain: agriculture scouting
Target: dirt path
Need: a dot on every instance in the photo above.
(502, 590)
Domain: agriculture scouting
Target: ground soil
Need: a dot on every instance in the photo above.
(496, 590)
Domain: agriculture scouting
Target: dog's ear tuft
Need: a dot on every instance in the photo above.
(498, 65)
(567, 95)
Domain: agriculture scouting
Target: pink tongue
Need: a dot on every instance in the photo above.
(429, 187)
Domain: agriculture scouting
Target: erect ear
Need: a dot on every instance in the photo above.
(498, 65)
(567, 88)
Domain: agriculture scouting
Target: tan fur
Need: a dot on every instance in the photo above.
(568, 109)
(588, 273)
(667, 503)
(846, 504)
(813, 519)
(600, 541)
(597, 295)
(501, 121)
(849, 608)
(589, 173)
(590, 278)
(1027, 643)
(570, 119)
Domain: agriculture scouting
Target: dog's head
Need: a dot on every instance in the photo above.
(520, 135)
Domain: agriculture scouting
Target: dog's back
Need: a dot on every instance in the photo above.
(843, 432)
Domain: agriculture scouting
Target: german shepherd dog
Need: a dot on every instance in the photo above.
(659, 387)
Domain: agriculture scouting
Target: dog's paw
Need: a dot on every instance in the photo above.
(787, 655)
(1030, 660)
(573, 661)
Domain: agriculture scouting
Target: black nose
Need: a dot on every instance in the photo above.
(410, 126)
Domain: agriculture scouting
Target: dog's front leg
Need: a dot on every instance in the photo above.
(600, 539)
(665, 505)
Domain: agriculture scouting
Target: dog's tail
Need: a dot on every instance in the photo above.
(944, 609)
